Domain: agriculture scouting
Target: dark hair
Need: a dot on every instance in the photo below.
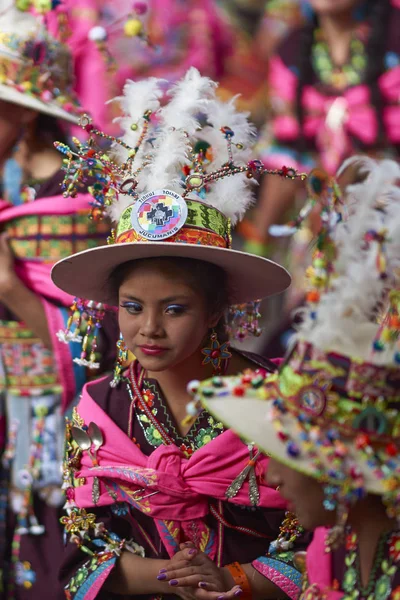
(204, 278)
(48, 130)
(378, 15)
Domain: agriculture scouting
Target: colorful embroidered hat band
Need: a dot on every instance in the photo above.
(203, 225)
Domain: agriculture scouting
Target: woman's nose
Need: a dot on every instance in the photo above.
(151, 325)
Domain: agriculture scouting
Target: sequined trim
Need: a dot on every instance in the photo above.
(281, 573)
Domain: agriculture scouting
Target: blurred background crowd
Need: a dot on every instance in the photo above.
(321, 81)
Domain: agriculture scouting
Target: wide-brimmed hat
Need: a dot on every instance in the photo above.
(333, 409)
(36, 70)
(183, 179)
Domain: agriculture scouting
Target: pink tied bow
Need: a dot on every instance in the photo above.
(166, 485)
(332, 120)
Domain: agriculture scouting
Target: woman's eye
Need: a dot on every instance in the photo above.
(175, 309)
(133, 308)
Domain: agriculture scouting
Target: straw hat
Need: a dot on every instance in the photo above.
(35, 69)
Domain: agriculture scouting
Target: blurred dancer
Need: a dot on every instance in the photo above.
(334, 90)
(38, 378)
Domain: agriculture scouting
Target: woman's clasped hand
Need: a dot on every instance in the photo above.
(192, 574)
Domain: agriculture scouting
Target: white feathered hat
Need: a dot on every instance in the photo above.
(332, 411)
(183, 177)
(35, 69)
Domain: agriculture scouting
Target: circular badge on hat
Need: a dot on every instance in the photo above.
(159, 214)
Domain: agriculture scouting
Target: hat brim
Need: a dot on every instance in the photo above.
(250, 419)
(87, 273)
(9, 94)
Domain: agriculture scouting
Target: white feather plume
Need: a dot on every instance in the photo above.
(138, 97)
(345, 320)
(232, 195)
(192, 114)
(178, 119)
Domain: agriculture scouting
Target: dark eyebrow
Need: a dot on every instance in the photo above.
(162, 301)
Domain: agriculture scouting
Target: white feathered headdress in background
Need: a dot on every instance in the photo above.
(356, 268)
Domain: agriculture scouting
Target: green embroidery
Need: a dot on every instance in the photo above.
(199, 215)
(196, 438)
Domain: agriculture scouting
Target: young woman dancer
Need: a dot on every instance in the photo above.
(140, 480)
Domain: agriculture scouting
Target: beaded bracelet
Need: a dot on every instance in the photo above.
(240, 578)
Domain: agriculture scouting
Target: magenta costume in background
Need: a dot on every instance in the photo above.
(336, 122)
(36, 388)
(159, 495)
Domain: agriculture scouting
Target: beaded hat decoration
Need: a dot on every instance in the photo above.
(35, 68)
(332, 411)
(173, 183)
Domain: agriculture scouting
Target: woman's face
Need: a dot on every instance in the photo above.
(13, 118)
(333, 7)
(304, 495)
(162, 319)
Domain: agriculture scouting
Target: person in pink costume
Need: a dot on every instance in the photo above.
(39, 379)
(329, 420)
(333, 90)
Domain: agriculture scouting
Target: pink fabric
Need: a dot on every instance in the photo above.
(355, 116)
(36, 276)
(319, 568)
(90, 66)
(184, 486)
(62, 354)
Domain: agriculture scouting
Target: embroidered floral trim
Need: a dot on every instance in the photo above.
(196, 438)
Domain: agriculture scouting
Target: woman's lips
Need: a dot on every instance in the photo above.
(152, 350)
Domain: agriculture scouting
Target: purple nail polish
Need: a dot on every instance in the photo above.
(221, 597)
(192, 551)
(162, 577)
(203, 584)
(238, 592)
(162, 571)
(173, 582)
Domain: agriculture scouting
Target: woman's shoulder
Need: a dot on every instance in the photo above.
(114, 401)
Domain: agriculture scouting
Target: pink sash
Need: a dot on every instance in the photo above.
(174, 490)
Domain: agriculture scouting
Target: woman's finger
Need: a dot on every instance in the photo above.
(189, 580)
(184, 571)
(204, 594)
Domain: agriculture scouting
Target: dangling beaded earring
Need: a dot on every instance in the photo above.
(336, 535)
(216, 353)
(122, 357)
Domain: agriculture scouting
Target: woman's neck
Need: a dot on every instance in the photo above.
(370, 512)
(174, 380)
(338, 30)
